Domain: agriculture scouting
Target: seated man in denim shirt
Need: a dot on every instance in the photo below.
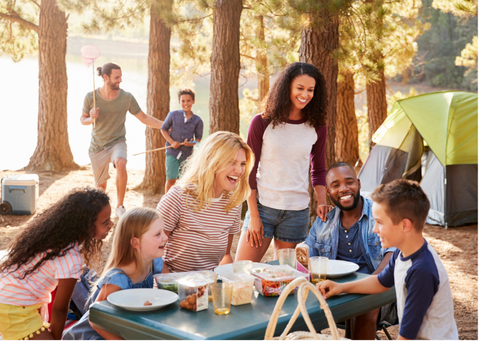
(347, 235)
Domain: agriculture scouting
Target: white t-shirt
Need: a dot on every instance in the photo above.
(424, 299)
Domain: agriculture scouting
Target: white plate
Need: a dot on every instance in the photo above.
(134, 299)
(227, 269)
(339, 268)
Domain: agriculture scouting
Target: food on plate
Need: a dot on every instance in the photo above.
(147, 303)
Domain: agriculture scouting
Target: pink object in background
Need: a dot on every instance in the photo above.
(89, 54)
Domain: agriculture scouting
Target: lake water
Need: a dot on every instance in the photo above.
(19, 94)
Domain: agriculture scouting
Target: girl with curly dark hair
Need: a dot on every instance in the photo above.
(287, 138)
(46, 255)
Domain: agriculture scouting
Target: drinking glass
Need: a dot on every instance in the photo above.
(288, 257)
(318, 267)
(243, 266)
(222, 297)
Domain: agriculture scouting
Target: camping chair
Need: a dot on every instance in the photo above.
(382, 326)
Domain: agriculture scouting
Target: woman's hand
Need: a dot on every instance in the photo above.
(255, 232)
(322, 210)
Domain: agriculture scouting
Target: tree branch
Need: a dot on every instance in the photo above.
(36, 3)
(16, 18)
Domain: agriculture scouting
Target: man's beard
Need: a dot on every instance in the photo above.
(114, 86)
(343, 208)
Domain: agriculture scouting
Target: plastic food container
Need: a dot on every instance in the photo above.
(271, 281)
(242, 288)
(169, 281)
(302, 253)
(193, 292)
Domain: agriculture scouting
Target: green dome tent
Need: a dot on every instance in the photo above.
(448, 122)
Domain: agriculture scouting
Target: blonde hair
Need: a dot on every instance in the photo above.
(133, 224)
(216, 153)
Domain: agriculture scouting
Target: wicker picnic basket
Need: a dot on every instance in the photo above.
(302, 294)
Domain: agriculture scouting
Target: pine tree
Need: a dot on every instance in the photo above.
(361, 42)
(27, 26)
(158, 94)
(464, 9)
(225, 67)
(112, 15)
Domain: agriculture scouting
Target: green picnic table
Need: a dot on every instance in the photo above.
(245, 322)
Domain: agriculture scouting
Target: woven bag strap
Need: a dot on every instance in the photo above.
(302, 297)
(272, 324)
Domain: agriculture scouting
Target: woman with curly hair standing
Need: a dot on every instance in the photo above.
(286, 139)
(47, 254)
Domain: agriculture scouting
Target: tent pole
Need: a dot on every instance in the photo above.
(445, 196)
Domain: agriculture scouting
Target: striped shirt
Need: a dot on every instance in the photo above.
(198, 239)
(37, 286)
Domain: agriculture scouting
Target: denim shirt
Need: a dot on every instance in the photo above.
(323, 237)
(182, 130)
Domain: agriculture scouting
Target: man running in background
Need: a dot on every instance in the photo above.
(108, 134)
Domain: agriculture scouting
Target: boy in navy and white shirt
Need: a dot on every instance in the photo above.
(424, 299)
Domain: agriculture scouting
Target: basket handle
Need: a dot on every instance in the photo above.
(272, 324)
(302, 297)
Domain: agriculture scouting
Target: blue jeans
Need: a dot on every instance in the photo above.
(285, 225)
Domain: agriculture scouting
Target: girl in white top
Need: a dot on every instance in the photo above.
(202, 212)
(48, 254)
(288, 139)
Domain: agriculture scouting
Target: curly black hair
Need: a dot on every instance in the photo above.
(276, 106)
(51, 233)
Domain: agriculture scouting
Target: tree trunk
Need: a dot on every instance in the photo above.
(376, 90)
(53, 151)
(225, 67)
(377, 104)
(158, 96)
(263, 77)
(317, 47)
(346, 129)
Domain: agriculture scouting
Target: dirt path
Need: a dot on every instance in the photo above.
(457, 247)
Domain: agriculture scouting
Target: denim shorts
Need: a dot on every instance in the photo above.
(285, 225)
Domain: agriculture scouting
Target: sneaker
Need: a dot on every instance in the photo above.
(120, 211)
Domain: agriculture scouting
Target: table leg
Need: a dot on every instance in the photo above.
(348, 328)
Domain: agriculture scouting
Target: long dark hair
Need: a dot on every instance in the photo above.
(69, 220)
(276, 106)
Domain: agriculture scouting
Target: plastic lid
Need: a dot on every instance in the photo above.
(21, 180)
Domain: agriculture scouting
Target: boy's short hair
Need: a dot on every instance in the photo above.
(186, 91)
(403, 199)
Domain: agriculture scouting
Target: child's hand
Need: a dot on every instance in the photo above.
(175, 144)
(329, 288)
(189, 143)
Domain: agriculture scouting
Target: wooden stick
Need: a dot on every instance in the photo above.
(94, 106)
(154, 150)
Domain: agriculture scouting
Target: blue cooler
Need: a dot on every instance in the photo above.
(19, 194)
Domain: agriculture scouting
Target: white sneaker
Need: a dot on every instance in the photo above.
(120, 211)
